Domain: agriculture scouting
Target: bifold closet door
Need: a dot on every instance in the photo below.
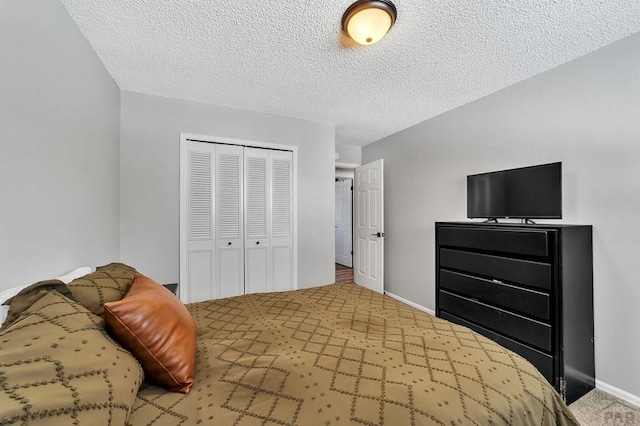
(212, 263)
(256, 163)
(268, 220)
(229, 202)
(281, 220)
(197, 241)
(236, 221)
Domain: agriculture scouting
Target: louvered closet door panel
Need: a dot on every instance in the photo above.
(257, 214)
(281, 229)
(198, 252)
(229, 220)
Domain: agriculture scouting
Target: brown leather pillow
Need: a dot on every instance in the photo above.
(153, 324)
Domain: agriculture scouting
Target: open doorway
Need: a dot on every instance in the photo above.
(344, 225)
(344, 274)
(344, 222)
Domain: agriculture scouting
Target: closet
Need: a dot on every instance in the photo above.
(236, 220)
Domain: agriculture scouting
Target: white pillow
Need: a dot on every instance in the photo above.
(10, 292)
(6, 295)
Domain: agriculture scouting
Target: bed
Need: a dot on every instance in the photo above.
(342, 354)
(332, 355)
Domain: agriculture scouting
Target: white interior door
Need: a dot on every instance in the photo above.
(237, 220)
(229, 220)
(344, 221)
(257, 220)
(369, 247)
(281, 242)
(197, 241)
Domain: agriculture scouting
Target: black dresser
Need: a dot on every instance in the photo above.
(527, 287)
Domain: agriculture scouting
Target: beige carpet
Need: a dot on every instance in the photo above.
(598, 408)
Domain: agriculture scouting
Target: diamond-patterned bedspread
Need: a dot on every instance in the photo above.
(342, 354)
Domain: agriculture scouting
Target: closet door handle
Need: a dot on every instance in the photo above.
(257, 242)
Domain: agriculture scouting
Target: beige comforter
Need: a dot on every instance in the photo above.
(342, 354)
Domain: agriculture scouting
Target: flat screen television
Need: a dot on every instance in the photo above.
(527, 193)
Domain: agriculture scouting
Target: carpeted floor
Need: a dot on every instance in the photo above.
(598, 408)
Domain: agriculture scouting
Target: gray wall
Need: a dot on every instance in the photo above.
(586, 114)
(150, 154)
(345, 173)
(59, 146)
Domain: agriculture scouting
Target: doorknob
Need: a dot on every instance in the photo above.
(378, 234)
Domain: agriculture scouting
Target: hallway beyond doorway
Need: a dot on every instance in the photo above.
(344, 274)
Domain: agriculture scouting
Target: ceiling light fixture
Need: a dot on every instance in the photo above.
(367, 21)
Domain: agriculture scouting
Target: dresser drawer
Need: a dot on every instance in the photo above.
(534, 243)
(529, 302)
(534, 274)
(542, 361)
(526, 330)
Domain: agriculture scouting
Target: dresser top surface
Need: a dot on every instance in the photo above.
(513, 225)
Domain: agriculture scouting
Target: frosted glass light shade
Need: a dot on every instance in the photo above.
(367, 22)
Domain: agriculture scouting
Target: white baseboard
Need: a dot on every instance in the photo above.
(410, 303)
(617, 392)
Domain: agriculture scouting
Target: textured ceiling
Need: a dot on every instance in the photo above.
(288, 57)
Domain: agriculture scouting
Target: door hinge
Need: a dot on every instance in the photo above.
(352, 188)
(351, 252)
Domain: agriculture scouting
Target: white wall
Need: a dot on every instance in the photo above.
(348, 154)
(150, 154)
(586, 114)
(59, 146)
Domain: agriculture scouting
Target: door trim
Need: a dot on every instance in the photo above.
(347, 165)
(184, 137)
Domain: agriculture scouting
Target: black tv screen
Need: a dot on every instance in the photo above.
(529, 193)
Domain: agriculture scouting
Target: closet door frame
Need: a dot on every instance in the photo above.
(184, 137)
